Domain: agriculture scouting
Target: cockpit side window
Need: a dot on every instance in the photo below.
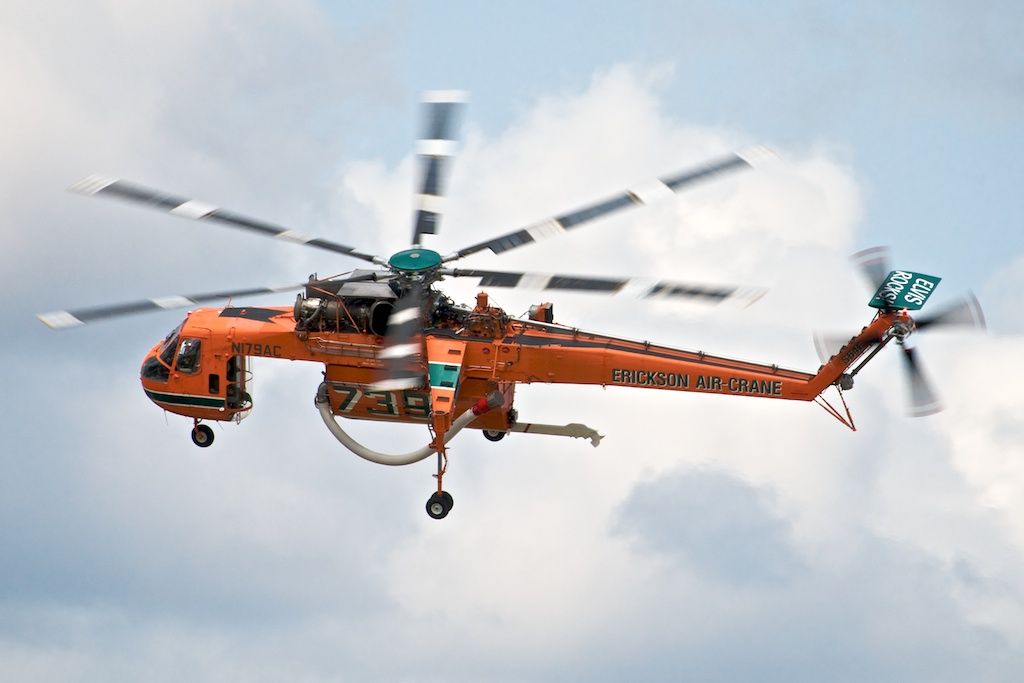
(188, 356)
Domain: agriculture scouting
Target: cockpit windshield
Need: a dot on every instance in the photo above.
(159, 367)
(170, 343)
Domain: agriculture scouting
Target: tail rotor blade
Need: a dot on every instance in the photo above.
(875, 263)
(828, 345)
(923, 400)
(436, 147)
(965, 312)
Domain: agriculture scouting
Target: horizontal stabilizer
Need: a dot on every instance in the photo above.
(575, 430)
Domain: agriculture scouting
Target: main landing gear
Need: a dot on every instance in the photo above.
(202, 435)
(440, 504)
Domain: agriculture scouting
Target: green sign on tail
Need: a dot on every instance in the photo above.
(904, 289)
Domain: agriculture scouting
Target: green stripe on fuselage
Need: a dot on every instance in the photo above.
(185, 400)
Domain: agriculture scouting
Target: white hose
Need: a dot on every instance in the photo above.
(323, 404)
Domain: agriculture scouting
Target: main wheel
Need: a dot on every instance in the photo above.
(438, 506)
(494, 434)
(202, 435)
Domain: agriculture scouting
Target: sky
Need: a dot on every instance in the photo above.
(708, 538)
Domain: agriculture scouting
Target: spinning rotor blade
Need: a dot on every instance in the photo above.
(403, 343)
(923, 401)
(642, 286)
(437, 145)
(828, 345)
(61, 319)
(965, 312)
(197, 210)
(631, 197)
(875, 263)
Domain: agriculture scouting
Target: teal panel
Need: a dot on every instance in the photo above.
(904, 289)
(444, 375)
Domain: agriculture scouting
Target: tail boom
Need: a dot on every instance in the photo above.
(562, 355)
(878, 332)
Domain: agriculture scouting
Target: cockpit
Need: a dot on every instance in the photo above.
(189, 374)
(158, 367)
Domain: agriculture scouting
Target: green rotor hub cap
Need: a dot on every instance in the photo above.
(415, 260)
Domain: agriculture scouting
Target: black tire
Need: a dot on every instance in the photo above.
(448, 500)
(202, 436)
(494, 434)
(438, 506)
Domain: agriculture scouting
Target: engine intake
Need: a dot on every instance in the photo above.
(344, 314)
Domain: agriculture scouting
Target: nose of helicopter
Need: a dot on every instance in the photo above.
(154, 373)
(156, 366)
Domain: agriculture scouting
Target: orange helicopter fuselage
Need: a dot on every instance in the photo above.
(202, 369)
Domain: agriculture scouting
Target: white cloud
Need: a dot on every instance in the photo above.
(840, 494)
(275, 553)
(1001, 299)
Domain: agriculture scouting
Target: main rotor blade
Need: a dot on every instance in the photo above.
(201, 211)
(61, 319)
(632, 197)
(644, 287)
(964, 312)
(440, 111)
(402, 352)
(923, 400)
(875, 263)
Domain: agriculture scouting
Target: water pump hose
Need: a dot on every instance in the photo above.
(323, 404)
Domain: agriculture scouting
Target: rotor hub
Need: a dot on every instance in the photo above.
(901, 329)
(415, 260)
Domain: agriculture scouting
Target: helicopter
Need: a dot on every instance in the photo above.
(396, 349)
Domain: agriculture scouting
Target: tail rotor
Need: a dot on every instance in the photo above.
(964, 312)
(923, 399)
(899, 293)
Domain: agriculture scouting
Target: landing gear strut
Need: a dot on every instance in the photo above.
(440, 502)
(202, 435)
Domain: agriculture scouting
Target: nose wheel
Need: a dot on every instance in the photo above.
(202, 435)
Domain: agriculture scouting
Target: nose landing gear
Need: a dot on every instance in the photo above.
(493, 434)
(202, 435)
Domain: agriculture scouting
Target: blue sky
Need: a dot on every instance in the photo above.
(707, 538)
